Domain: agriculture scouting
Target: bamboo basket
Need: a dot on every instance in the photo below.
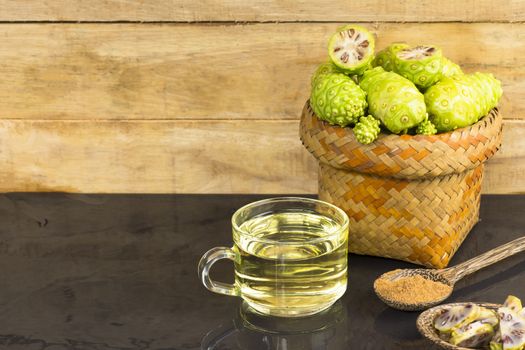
(412, 198)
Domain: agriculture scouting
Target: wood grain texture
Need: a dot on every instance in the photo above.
(186, 157)
(197, 71)
(266, 10)
(505, 173)
(154, 157)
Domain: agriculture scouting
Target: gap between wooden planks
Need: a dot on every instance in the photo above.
(186, 157)
(212, 71)
(266, 10)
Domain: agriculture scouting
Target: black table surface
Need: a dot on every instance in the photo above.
(120, 272)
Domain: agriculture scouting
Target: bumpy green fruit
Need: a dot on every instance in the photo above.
(335, 98)
(459, 101)
(426, 128)
(351, 49)
(421, 65)
(385, 57)
(367, 130)
(490, 89)
(322, 70)
(394, 100)
(449, 68)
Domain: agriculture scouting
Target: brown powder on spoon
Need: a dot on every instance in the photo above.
(412, 289)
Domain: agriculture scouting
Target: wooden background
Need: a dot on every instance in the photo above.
(204, 96)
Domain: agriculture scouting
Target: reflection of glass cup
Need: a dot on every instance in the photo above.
(290, 256)
(326, 330)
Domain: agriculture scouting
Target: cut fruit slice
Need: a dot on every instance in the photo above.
(456, 317)
(487, 316)
(417, 53)
(513, 303)
(512, 329)
(522, 313)
(421, 64)
(351, 49)
(495, 343)
(473, 335)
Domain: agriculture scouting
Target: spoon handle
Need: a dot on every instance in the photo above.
(457, 272)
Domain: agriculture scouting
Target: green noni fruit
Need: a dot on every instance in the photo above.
(367, 129)
(394, 100)
(384, 58)
(421, 65)
(323, 69)
(449, 68)
(335, 98)
(426, 128)
(351, 49)
(461, 100)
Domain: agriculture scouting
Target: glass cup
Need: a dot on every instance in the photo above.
(290, 256)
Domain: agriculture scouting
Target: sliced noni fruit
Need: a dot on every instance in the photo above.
(473, 335)
(351, 49)
(512, 328)
(455, 317)
(513, 303)
(421, 65)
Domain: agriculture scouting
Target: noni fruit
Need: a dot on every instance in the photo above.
(512, 328)
(456, 317)
(421, 65)
(394, 100)
(449, 68)
(461, 100)
(336, 99)
(474, 335)
(367, 130)
(322, 70)
(351, 49)
(426, 128)
(384, 58)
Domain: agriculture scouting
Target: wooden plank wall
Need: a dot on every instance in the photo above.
(204, 96)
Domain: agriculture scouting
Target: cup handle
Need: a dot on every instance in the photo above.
(205, 264)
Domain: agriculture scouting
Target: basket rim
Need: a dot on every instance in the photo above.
(456, 134)
(402, 156)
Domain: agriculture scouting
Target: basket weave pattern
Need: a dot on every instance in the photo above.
(413, 198)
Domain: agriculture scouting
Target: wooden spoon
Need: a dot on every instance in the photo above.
(450, 275)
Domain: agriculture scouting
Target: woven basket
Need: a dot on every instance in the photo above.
(412, 198)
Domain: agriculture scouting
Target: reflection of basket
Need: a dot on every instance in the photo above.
(413, 198)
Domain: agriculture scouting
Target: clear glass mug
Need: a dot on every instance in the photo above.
(290, 256)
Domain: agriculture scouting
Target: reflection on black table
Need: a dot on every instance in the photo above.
(252, 331)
